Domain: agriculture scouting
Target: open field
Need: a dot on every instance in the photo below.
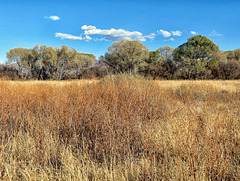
(120, 128)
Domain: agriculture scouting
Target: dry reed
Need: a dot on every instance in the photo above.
(120, 128)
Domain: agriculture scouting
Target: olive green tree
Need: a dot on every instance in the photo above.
(25, 61)
(194, 57)
(160, 63)
(233, 55)
(62, 63)
(126, 56)
(49, 62)
(81, 62)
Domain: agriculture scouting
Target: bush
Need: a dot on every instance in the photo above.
(227, 71)
(99, 71)
(8, 73)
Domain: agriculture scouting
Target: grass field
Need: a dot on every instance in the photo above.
(120, 128)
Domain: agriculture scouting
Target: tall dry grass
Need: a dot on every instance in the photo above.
(120, 128)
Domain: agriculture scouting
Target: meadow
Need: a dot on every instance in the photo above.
(120, 128)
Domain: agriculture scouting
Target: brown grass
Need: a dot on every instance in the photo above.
(120, 128)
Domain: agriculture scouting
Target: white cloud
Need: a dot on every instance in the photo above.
(215, 33)
(87, 38)
(170, 39)
(71, 37)
(108, 34)
(116, 34)
(54, 18)
(177, 33)
(85, 27)
(164, 33)
(193, 32)
(151, 36)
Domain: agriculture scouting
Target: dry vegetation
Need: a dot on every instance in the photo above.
(120, 129)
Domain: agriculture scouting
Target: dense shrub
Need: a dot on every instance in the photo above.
(8, 73)
(227, 71)
(98, 71)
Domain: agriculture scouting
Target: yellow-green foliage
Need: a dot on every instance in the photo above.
(120, 128)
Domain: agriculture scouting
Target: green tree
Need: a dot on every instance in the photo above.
(195, 57)
(160, 63)
(166, 52)
(126, 56)
(160, 55)
(154, 57)
(233, 55)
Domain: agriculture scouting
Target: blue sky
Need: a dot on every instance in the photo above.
(92, 26)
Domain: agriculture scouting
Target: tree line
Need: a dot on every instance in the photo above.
(198, 58)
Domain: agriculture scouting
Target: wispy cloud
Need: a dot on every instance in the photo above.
(72, 37)
(164, 33)
(170, 39)
(215, 33)
(87, 38)
(177, 33)
(151, 36)
(54, 18)
(116, 34)
(167, 34)
(193, 32)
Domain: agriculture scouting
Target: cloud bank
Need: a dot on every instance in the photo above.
(116, 34)
(108, 34)
(113, 34)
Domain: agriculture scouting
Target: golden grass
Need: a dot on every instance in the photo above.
(119, 129)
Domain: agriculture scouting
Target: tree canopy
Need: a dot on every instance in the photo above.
(198, 58)
(126, 56)
(49, 62)
(195, 57)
